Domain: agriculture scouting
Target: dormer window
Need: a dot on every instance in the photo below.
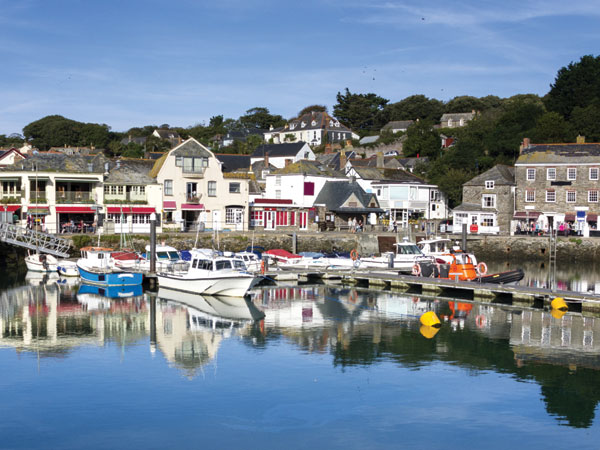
(331, 123)
(337, 124)
(313, 123)
(292, 126)
(303, 124)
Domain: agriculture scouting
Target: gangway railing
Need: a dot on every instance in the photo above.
(34, 240)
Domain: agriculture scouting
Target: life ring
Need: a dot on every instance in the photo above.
(480, 321)
(481, 268)
(416, 270)
(356, 264)
(354, 255)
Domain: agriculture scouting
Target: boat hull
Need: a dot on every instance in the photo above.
(34, 264)
(234, 286)
(107, 278)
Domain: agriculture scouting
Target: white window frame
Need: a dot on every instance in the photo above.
(548, 197)
(530, 174)
(591, 194)
(489, 184)
(574, 200)
(168, 187)
(571, 173)
(212, 189)
(596, 171)
(232, 216)
(527, 198)
(491, 197)
(551, 173)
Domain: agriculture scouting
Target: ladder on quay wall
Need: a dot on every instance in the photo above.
(552, 259)
(34, 240)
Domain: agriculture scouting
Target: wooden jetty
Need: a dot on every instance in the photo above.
(585, 302)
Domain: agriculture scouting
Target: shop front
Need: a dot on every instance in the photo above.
(76, 219)
(131, 219)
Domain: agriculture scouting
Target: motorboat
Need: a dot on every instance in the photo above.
(41, 262)
(441, 250)
(308, 260)
(96, 266)
(165, 256)
(211, 275)
(250, 259)
(67, 268)
(406, 255)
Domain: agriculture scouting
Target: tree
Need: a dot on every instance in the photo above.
(422, 140)
(312, 108)
(56, 131)
(359, 111)
(578, 84)
(552, 128)
(586, 121)
(261, 118)
(464, 104)
(414, 107)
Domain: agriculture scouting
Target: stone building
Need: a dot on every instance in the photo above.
(558, 183)
(488, 202)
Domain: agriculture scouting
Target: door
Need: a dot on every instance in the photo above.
(303, 220)
(216, 219)
(269, 220)
(239, 219)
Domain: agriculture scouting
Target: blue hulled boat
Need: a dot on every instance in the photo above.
(96, 266)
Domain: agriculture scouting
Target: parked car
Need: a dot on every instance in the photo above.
(391, 153)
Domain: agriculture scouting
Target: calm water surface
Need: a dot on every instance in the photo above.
(293, 367)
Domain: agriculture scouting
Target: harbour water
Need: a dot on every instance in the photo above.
(290, 367)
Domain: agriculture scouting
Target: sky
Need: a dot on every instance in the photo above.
(141, 62)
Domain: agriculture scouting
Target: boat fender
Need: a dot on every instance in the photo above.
(262, 267)
(430, 319)
(560, 304)
(354, 255)
(416, 270)
(482, 269)
(480, 321)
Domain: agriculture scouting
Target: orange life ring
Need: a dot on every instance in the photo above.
(416, 270)
(482, 268)
(480, 321)
(354, 255)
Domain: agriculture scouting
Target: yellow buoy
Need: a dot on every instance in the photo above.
(560, 304)
(557, 313)
(430, 319)
(428, 332)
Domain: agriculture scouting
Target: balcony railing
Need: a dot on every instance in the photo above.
(193, 172)
(74, 197)
(125, 198)
(37, 197)
(8, 197)
(192, 199)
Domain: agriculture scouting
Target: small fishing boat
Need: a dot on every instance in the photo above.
(41, 262)
(165, 256)
(67, 268)
(96, 266)
(209, 274)
(405, 257)
(250, 259)
(441, 250)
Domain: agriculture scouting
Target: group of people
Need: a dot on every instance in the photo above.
(535, 228)
(355, 226)
(77, 227)
(32, 222)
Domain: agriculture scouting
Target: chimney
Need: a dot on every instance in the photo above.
(271, 127)
(580, 139)
(266, 160)
(342, 159)
(380, 163)
(178, 140)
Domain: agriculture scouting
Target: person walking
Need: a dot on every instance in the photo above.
(354, 225)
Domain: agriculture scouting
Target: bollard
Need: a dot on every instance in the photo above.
(152, 243)
(294, 243)
(464, 237)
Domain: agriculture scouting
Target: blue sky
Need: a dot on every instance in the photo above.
(137, 62)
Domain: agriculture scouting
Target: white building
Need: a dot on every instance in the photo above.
(280, 155)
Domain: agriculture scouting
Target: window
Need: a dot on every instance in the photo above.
(571, 173)
(487, 220)
(550, 196)
(107, 189)
(434, 195)
(459, 219)
(551, 174)
(194, 165)
(234, 215)
(530, 174)
(168, 187)
(141, 190)
(120, 190)
(593, 196)
(489, 185)
(179, 161)
(530, 195)
(234, 188)
(309, 188)
(212, 188)
(306, 155)
(593, 173)
(571, 196)
(488, 201)
(256, 219)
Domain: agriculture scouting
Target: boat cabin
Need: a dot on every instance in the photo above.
(219, 263)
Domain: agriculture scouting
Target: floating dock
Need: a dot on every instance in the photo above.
(585, 302)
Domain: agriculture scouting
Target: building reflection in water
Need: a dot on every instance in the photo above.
(355, 326)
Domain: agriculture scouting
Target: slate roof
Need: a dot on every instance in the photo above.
(60, 162)
(141, 140)
(386, 176)
(316, 120)
(335, 193)
(388, 162)
(413, 162)
(130, 171)
(155, 155)
(191, 147)
(275, 150)
(472, 207)
(167, 134)
(309, 168)
(233, 162)
(368, 140)
(332, 160)
(560, 153)
(397, 125)
(499, 174)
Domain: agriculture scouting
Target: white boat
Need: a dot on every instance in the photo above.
(67, 268)
(251, 260)
(407, 254)
(97, 266)
(165, 256)
(41, 262)
(211, 275)
(442, 250)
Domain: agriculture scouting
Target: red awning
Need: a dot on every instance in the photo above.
(526, 214)
(130, 209)
(169, 205)
(592, 218)
(271, 201)
(192, 207)
(75, 209)
(9, 208)
(570, 217)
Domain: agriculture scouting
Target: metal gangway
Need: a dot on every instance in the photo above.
(34, 240)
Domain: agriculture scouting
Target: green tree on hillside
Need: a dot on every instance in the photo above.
(359, 111)
(413, 108)
(261, 118)
(422, 140)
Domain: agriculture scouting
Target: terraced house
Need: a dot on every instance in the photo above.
(558, 183)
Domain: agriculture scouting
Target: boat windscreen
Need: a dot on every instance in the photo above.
(408, 250)
(173, 255)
